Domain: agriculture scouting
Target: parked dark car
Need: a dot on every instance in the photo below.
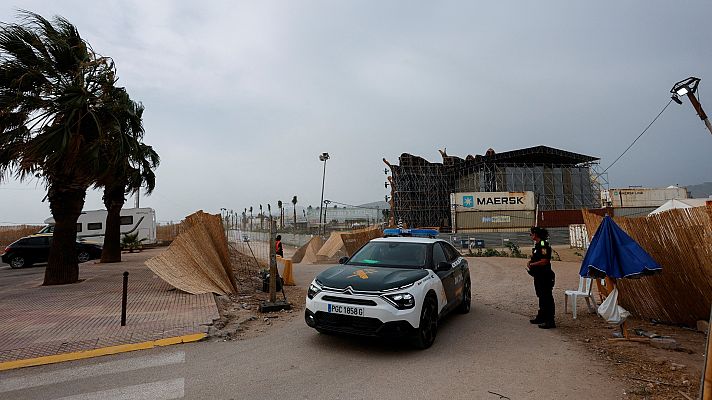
(35, 249)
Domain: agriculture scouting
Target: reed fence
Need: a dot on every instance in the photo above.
(198, 260)
(681, 242)
(167, 232)
(9, 234)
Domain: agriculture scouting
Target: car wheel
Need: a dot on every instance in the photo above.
(466, 302)
(17, 262)
(83, 256)
(428, 328)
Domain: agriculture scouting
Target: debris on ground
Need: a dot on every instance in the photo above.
(641, 332)
(240, 317)
(662, 362)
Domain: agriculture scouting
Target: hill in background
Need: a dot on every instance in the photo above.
(380, 205)
(701, 190)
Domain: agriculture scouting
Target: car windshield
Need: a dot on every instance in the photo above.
(391, 254)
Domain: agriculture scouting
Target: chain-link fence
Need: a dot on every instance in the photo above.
(257, 242)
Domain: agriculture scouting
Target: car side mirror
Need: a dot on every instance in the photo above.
(443, 266)
(343, 260)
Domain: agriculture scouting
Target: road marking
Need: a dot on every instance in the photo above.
(76, 373)
(103, 351)
(163, 390)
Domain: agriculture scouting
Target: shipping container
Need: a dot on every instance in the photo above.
(632, 212)
(559, 218)
(492, 201)
(642, 197)
(493, 221)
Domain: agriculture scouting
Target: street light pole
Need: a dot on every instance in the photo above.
(323, 157)
(689, 87)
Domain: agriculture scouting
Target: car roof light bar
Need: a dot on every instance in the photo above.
(429, 233)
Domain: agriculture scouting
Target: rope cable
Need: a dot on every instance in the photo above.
(636, 139)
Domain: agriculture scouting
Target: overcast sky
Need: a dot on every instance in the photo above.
(242, 97)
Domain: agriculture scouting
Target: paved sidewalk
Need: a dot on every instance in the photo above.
(37, 321)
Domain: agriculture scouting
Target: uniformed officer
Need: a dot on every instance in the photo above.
(539, 267)
(278, 249)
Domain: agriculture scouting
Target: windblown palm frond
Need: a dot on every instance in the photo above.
(55, 97)
(59, 108)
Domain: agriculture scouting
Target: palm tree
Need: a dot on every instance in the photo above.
(130, 167)
(294, 203)
(262, 219)
(55, 110)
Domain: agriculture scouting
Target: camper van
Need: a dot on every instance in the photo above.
(91, 225)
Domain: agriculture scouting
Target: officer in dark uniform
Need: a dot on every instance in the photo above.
(278, 249)
(539, 267)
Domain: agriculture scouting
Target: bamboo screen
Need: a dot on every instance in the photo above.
(167, 232)
(307, 253)
(9, 234)
(681, 242)
(346, 243)
(198, 260)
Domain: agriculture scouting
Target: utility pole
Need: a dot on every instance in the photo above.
(272, 261)
(689, 87)
(273, 304)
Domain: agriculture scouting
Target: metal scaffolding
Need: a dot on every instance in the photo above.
(561, 180)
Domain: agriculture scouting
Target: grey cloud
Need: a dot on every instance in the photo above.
(241, 97)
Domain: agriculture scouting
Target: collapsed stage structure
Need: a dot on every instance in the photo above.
(559, 180)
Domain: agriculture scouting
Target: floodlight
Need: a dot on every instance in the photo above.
(682, 91)
(688, 87)
(685, 86)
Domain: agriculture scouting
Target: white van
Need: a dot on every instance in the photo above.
(91, 225)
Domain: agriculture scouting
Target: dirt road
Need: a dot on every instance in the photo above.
(492, 349)
(491, 353)
(488, 353)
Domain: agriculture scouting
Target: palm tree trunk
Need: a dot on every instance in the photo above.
(114, 201)
(66, 206)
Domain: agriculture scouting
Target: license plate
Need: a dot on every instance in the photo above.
(346, 310)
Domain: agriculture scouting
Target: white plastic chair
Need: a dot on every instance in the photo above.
(584, 290)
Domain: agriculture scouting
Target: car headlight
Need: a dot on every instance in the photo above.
(401, 301)
(314, 289)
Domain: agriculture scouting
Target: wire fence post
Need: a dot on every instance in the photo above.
(272, 262)
(123, 298)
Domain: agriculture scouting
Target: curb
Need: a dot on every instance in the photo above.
(104, 351)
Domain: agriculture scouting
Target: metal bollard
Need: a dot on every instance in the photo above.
(123, 298)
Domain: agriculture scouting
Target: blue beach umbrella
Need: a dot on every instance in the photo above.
(615, 254)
